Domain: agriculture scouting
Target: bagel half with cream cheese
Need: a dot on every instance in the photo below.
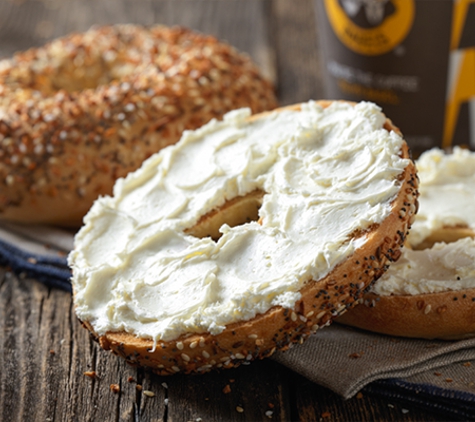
(430, 292)
(85, 109)
(245, 237)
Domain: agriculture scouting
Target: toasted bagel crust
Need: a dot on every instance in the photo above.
(321, 300)
(449, 315)
(88, 108)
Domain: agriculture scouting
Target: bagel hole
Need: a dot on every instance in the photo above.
(236, 212)
(72, 78)
(73, 75)
(446, 235)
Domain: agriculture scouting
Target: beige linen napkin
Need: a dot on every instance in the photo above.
(346, 359)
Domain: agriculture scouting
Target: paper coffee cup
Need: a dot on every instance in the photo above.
(415, 58)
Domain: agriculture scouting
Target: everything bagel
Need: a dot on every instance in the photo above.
(86, 109)
(430, 292)
(245, 237)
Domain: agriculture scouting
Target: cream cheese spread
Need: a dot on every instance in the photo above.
(326, 172)
(447, 192)
(445, 266)
(447, 198)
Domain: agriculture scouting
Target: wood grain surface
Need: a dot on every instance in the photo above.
(44, 351)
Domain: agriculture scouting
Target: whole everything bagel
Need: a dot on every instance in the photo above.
(245, 237)
(85, 109)
(430, 292)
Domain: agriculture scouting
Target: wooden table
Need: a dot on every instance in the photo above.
(44, 352)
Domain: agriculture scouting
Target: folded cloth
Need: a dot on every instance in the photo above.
(433, 374)
(37, 252)
(436, 374)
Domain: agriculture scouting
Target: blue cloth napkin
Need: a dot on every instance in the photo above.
(37, 252)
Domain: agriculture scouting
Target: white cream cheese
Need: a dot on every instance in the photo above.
(447, 198)
(438, 269)
(325, 172)
(447, 192)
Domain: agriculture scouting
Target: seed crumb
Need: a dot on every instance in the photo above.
(404, 411)
(449, 380)
(359, 395)
(115, 388)
(269, 414)
(239, 409)
(164, 385)
(226, 389)
(391, 406)
(90, 374)
(271, 405)
(326, 414)
(148, 393)
(467, 364)
(437, 374)
(138, 387)
(131, 379)
(354, 355)
(52, 352)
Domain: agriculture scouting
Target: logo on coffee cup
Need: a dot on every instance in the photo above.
(370, 27)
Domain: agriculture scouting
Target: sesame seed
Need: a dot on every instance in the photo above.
(240, 356)
(206, 354)
(202, 342)
(293, 316)
(185, 357)
(239, 409)
(253, 336)
(179, 345)
(148, 393)
(176, 369)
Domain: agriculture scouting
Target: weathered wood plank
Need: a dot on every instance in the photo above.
(296, 50)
